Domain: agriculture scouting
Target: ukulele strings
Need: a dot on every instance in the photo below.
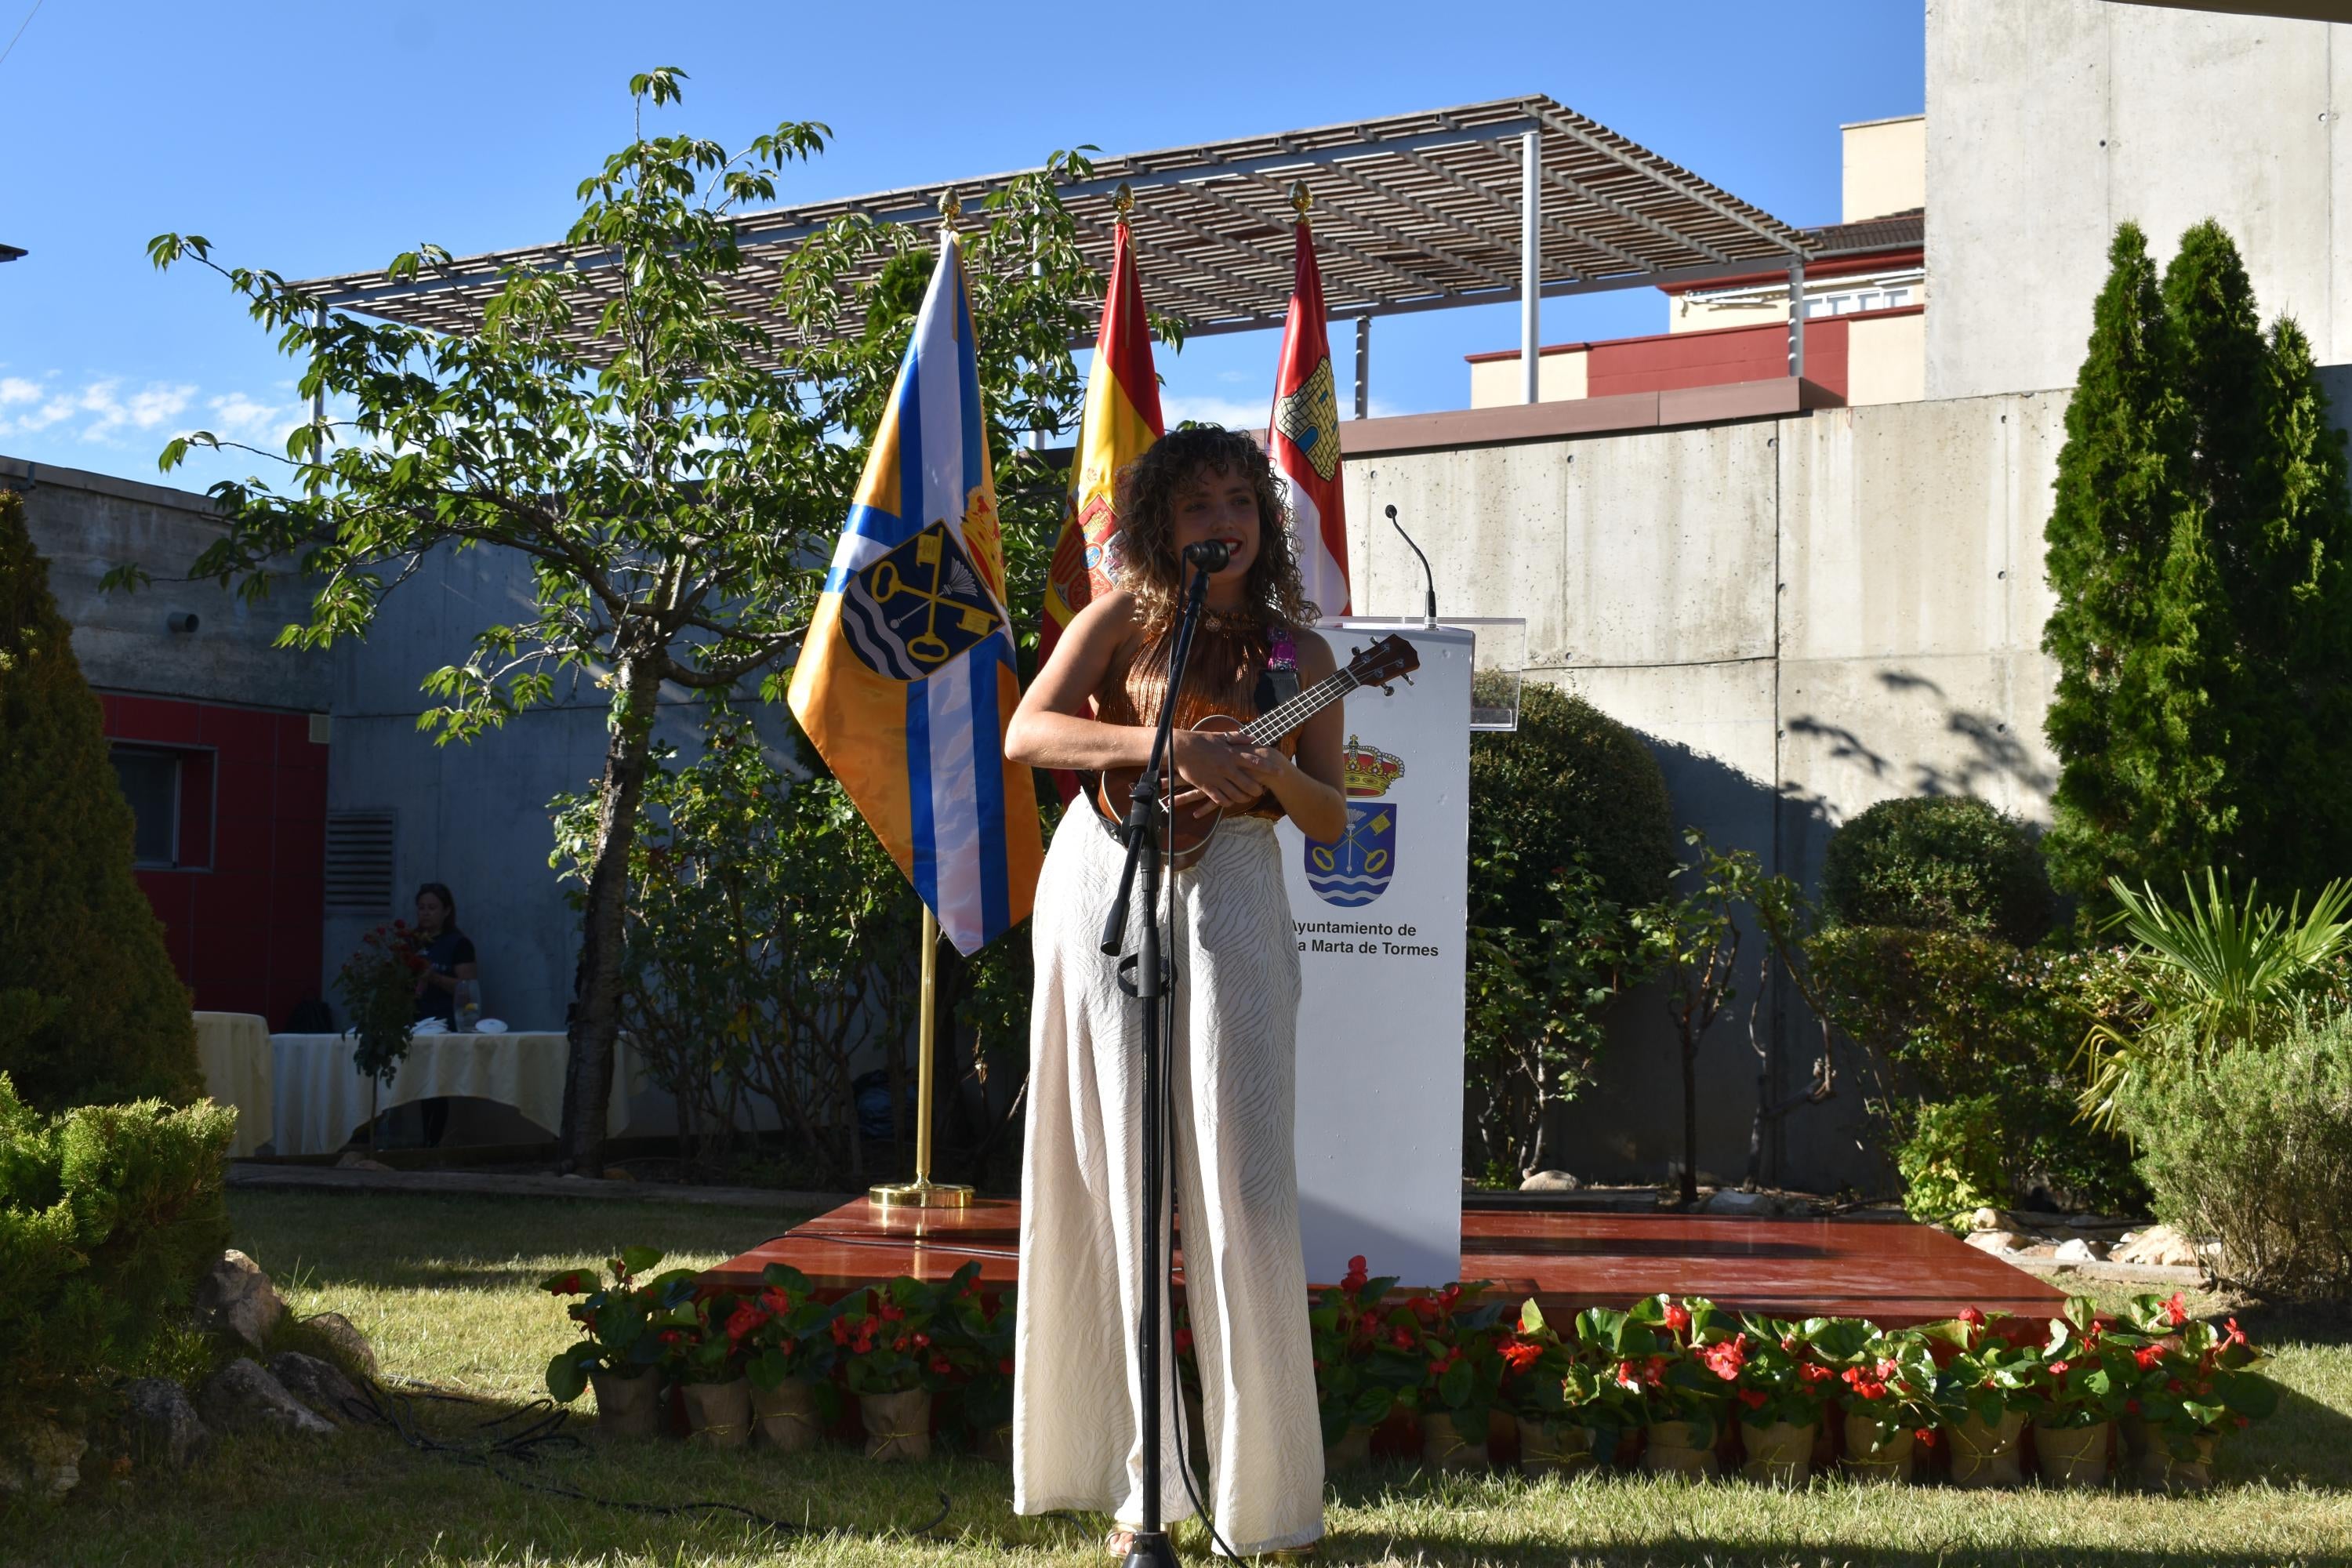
(1271, 726)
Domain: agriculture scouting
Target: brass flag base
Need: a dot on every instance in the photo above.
(919, 1195)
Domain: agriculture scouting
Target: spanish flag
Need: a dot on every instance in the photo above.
(906, 679)
(1303, 437)
(1120, 420)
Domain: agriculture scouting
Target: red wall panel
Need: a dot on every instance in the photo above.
(244, 932)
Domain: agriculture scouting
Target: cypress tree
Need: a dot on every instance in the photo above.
(90, 1009)
(2198, 547)
(2292, 582)
(2139, 792)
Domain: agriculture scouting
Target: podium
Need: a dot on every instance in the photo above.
(1380, 918)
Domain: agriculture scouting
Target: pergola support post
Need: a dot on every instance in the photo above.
(1797, 319)
(1530, 261)
(1363, 367)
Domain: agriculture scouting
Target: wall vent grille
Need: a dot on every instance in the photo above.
(359, 863)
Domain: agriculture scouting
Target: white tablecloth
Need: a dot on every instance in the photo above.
(322, 1098)
(233, 1048)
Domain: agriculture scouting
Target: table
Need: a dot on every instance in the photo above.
(321, 1098)
(233, 1050)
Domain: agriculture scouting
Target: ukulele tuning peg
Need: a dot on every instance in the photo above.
(1408, 680)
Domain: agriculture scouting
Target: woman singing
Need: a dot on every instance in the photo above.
(1077, 1442)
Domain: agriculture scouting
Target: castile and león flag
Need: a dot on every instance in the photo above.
(1303, 436)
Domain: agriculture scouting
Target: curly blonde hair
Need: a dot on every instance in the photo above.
(1143, 553)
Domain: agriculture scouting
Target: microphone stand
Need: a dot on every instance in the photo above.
(1151, 1547)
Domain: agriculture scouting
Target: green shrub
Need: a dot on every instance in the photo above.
(1569, 829)
(1956, 1159)
(1952, 1017)
(2252, 1146)
(1943, 863)
(108, 1215)
(90, 1010)
(1570, 782)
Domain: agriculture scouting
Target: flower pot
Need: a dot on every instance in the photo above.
(785, 1417)
(1986, 1456)
(1680, 1447)
(719, 1415)
(1444, 1446)
(2072, 1456)
(1890, 1463)
(1781, 1455)
(2167, 1463)
(897, 1425)
(1561, 1447)
(1352, 1451)
(628, 1405)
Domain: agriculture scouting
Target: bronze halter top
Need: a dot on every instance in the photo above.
(1227, 675)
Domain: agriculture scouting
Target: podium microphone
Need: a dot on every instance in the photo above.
(1209, 555)
(1429, 611)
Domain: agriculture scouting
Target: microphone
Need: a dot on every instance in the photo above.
(1209, 555)
(1429, 602)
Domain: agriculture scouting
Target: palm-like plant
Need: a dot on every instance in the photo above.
(2219, 973)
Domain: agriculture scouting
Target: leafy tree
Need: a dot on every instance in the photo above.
(769, 941)
(675, 482)
(90, 1009)
(2198, 549)
(1570, 830)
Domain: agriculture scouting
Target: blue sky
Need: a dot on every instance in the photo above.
(315, 139)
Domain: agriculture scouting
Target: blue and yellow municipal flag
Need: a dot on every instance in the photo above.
(907, 679)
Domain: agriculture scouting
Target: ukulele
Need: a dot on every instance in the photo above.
(1380, 665)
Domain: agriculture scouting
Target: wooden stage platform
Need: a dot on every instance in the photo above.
(1892, 1272)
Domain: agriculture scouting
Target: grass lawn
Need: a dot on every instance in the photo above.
(445, 1290)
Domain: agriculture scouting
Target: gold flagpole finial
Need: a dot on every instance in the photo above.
(1123, 200)
(1301, 198)
(951, 209)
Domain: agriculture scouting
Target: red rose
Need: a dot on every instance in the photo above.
(1814, 1371)
(891, 1314)
(2148, 1356)
(1677, 1317)
(1972, 1317)
(1924, 1436)
(742, 1320)
(1357, 1274)
(1521, 1355)
(775, 1300)
(2176, 1310)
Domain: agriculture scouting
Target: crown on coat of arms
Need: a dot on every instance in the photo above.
(1369, 770)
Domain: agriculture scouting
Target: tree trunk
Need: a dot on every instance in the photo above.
(588, 1085)
(1690, 1121)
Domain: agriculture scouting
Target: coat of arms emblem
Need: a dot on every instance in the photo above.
(913, 610)
(1352, 870)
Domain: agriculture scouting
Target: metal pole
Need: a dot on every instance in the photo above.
(1363, 367)
(922, 1192)
(1530, 260)
(1797, 319)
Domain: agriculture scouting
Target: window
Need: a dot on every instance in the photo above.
(151, 782)
(170, 790)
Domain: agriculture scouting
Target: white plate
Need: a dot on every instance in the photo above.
(490, 1026)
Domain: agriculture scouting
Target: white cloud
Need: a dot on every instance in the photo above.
(1233, 413)
(17, 389)
(145, 409)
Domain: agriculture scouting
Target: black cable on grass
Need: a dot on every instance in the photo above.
(541, 1435)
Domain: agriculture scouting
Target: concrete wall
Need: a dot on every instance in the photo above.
(1802, 617)
(2051, 121)
(86, 525)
